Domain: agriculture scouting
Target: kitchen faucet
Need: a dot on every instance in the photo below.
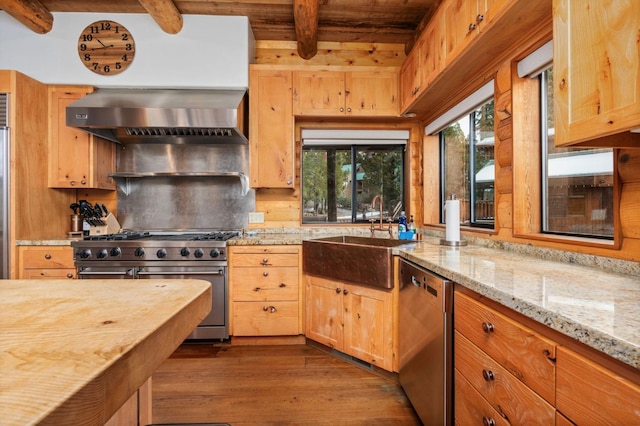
(381, 227)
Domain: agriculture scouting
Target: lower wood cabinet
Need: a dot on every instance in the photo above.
(353, 319)
(45, 262)
(505, 370)
(265, 290)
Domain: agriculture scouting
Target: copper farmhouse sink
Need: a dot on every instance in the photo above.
(361, 260)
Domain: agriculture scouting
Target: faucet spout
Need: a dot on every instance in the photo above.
(381, 227)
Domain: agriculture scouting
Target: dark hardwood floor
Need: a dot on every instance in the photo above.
(274, 385)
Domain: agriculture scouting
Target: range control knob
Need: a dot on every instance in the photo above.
(85, 254)
(185, 251)
(103, 253)
(139, 252)
(161, 253)
(115, 251)
(214, 253)
(198, 253)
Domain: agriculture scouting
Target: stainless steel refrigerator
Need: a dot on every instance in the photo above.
(4, 184)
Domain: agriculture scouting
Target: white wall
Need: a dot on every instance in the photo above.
(209, 51)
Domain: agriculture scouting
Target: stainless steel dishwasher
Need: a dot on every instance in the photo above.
(425, 325)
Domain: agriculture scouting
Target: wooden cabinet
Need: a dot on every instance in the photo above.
(271, 140)
(353, 319)
(588, 393)
(346, 93)
(265, 290)
(596, 66)
(509, 365)
(76, 158)
(46, 262)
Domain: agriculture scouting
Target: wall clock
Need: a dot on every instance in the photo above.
(106, 47)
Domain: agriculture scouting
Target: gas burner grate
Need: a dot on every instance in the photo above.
(215, 236)
(118, 236)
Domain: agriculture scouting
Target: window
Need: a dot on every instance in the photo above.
(467, 154)
(577, 184)
(342, 176)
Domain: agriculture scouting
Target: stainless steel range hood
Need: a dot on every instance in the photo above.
(175, 116)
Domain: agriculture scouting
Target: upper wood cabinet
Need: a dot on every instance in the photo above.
(271, 141)
(596, 66)
(76, 158)
(346, 93)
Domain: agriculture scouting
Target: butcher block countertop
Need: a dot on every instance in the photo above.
(73, 351)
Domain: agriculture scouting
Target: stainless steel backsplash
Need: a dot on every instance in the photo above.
(175, 202)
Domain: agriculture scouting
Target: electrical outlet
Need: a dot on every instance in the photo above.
(256, 217)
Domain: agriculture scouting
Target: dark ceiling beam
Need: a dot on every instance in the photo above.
(305, 15)
(165, 13)
(31, 13)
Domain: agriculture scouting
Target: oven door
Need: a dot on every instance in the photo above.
(214, 326)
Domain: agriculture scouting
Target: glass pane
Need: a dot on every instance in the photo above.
(456, 166)
(325, 192)
(483, 166)
(578, 182)
(379, 172)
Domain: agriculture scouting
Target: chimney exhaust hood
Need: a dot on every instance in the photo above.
(170, 116)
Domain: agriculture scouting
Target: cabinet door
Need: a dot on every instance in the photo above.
(487, 10)
(323, 300)
(596, 70)
(271, 141)
(410, 76)
(319, 93)
(432, 54)
(459, 20)
(373, 93)
(368, 325)
(102, 158)
(588, 393)
(68, 146)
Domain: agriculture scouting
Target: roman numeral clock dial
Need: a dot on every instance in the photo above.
(106, 47)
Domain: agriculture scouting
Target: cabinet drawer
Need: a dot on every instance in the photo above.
(292, 248)
(48, 274)
(265, 259)
(526, 354)
(502, 390)
(47, 257)
(471, 408)
(587, 393)
(265, 318)
(260, 284)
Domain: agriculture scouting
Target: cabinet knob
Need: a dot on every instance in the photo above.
(69, 275)
(346, 291)
(486, 421)
(348, 109)
(256, 289)
(265, 261)
(265, 274)
(338, 290)
(488, 375)
(47, 256)
(271, 309)
(472, 27)
(341, 109)
(289, 182)
(72, 182)
(282, 285)
(479, 18)
(83, 182)
(487, 327)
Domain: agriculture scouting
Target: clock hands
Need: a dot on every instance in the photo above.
(104, 46)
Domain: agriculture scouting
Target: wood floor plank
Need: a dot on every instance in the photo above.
(274, 385)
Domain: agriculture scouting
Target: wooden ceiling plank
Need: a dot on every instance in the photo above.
(165, 13)
(30, 13)
(305, 16)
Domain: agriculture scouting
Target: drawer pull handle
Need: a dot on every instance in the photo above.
(265, 274)
(486, 421)
(487, 327)
(256, 289)
(47, 256)
(69, 275)
(488, 375)
(265, 260)
(271, 309)
(282, 285)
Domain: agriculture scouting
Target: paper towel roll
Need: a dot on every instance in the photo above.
(452, 220)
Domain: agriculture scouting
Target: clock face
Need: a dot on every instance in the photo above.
(106, 48)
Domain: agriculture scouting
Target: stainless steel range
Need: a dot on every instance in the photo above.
(145, 255)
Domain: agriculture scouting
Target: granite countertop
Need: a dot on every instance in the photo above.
(72, 352)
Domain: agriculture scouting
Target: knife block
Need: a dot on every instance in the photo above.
(113, 226)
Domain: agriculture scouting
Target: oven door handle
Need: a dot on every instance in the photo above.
(220, 272)
(127, 272)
